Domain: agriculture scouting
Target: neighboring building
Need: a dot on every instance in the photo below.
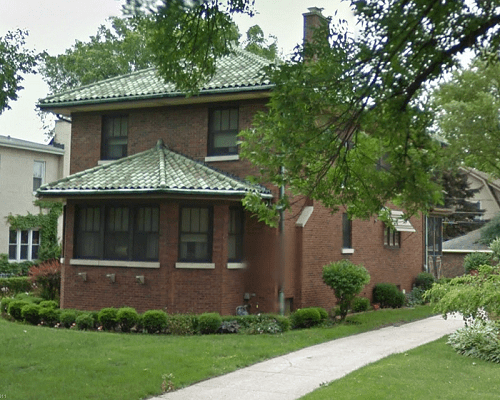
(153, 204)
(24, 167)
(488, 194)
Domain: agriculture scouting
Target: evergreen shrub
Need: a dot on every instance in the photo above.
(4, 304)
(473, 261)
(126, 317)
(49, 316)
(424, 280)
(209, 323)
(85, 321)
(305, 317)
(15, 307)
(31, 313)
(360, 304)
(49, 304)
(107, 318)
(68, 317)
(388, 295)
(154, 321)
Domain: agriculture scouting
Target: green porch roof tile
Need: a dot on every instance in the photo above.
(158, 170)
(241, 71)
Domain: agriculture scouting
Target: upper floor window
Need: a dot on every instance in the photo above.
(23, 245)
(114, 137)
(38, 174)
(195, 236)
(223, 132)
(346, 232)
(235, 239)
(392, 238)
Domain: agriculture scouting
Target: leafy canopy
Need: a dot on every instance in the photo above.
(349, 119)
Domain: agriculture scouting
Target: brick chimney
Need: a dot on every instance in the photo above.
(313, 20)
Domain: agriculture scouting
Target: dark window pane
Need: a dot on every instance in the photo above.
(12, 237)
(24, 252)
(195, 235)
(346, 232)
(235, 239)
(12, 252)
(223, 131)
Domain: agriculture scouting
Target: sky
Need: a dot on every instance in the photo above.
(55, 25)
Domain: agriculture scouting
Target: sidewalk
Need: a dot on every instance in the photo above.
(295, 374)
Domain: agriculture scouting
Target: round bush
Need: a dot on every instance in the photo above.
(360, 304)
(473, 261)
(305, 317)
(15, 307)
(107, 318)
(209, 323)
(84, 321)
(424, 280)
(4, 304)
(68, 317)
(126, 318)
(154, 321)
(49, 315)
(49, 304)
(323, 315)
(31, 313)
(388, 295)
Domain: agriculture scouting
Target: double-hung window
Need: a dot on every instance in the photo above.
(235, 238)
(223, 132)
(392, 238)
(114, 140)
(113, 232)
(24, 245)
(38, 174)
(346, 232)
(195, 234)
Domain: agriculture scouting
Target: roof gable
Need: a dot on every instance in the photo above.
(158, 170)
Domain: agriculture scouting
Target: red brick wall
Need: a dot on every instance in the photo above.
(452, 264)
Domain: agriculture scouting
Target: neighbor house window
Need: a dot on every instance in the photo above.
(114, 137)
(223, 132)
(235, 238)
(346, 232)
(24, 245)
(195, 236)
(38, 174)
(392, 238)
(117, 233)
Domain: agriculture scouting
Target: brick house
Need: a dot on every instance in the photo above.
(153, 215)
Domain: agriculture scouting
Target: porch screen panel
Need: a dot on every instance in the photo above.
(116, 245)
(195, 234)
(146, 233)
(88, 238)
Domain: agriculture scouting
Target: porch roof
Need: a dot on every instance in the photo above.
(157, 170)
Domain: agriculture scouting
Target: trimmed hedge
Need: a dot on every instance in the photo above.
(16, 284)
(4, 304)
(49, 316)
(154, 321)
(107, 317)
(68, 317)
(31, 313)
(209, 323)
(360, 304)
(305, 317)
(85, 321)
(424, 280)
(388, 295)
(15, 307)
(126, 317)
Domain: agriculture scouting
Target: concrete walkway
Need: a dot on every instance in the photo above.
(295, 374)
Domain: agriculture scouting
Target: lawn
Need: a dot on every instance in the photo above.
(46, 363)
(432, 371)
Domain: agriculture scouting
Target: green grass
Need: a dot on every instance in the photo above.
(43, 363)
(432, 371)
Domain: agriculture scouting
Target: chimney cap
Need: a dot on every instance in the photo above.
(315, 10)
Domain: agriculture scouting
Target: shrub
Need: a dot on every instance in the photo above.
(415, 297)
(480, 340)
(28, 297)
(154, 321)
(360, 304)
(182, 324)
(49, 304)
(68, 317)
(126, 317)
(347, 280)
(305, 318)
(424, 280)
(209, 323)
(47, 276)
(49, 316)
(388, 295)
(473, 261)
(15, 284)
(257, 323)
(4, 304)
(284, 322)
(31, 313)
(85, 321)
(323, 315)
(15, 307)
(107, 318)
(229, 327)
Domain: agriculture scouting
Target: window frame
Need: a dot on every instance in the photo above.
(30, 246)
(222, 151)
(41, 178)
(102, 235)
(106, 138)
(239, 214)
(346, 232)
(208, 234)
(392, 238)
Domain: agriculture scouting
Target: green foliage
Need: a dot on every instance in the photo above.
(49, 304)
(107, 317)
(68, 317)
(491, 230)
(15, 62)
(28, 297)
(424, 280)
(305, 318)
(182, 324)
(4, 304)
(14, 268)
(258, 44)
(16, 284)
(15, 307)
(472, 261)
(360, 304)
(126, 317)
(154, 321)
(480, 340)
(388, 295)
(209, 323)
(256, 324)
(31, 313)
(415, 297)
(347, 280)
(49, 316)
(85, 321)
(323, 315)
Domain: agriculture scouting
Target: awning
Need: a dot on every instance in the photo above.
(400, 224)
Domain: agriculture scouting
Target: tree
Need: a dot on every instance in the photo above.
(257, 43)
(15, 60)
(113, 51)
(467, 109)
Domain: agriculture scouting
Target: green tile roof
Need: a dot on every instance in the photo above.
(241, 71)
(158, 170)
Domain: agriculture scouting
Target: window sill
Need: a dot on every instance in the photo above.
(236, 265)
(114, 263)
(347, 251)
(194, 265)
(104, 162)
(232, 157)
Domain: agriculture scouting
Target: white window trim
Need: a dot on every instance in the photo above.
(193, 265)
(113, 263)
(236, 265)
(231, 157)
(18, 245)
(347, 251)
(44, 168)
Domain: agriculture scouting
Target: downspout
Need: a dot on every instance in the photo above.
(281, 293)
